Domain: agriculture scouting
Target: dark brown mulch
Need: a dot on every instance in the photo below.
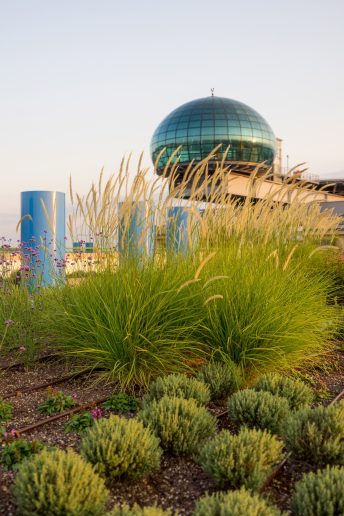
(180, 481)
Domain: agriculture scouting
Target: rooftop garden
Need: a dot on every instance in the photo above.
(194, 367)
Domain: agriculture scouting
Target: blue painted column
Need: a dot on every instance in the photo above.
(181, 234)
(43, 237)
(135, 230)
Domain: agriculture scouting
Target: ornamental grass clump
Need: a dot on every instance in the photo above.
(181, 425)
(121, 447)
(298, 394)
(222, 378)
(316, 435)
(179, 386)
(245, 459)
(136, 510)
(258, 410)
(234, 503)
(320, 493)
(59, 483)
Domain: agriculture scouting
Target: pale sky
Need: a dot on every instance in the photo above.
(83, 82)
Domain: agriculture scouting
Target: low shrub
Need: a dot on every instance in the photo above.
(16, 451)
(6, 411)
(59, 483)
(316, 435)
(234, 503)
(79, 422)
(221, 378)
(57, 401)
(121, 403)
(298, 394)
(258, 410)
(179, 386)
(320, 493)
(136, 510)
(181, 425)
(121, 447)
(239, 460)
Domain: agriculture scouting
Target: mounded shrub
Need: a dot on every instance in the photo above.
(136, 510)
(59, 483)
(121, 447)
(234, 503)
(6, 411)
(239, 460)
(221, 379)
(179, 386)
(316, 435)
(181, 425)
(258, 410)
(298, 394)
(320, 493)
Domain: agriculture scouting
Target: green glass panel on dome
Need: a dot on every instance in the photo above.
(202, 124)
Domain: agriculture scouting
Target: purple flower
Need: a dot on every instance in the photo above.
(97, 413)
(8, 322)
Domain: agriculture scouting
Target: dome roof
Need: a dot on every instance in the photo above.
(202, 124)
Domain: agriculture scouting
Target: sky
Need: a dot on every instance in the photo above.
(83, 82)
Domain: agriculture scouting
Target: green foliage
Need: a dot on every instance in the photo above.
(320, 493)
(136, 510)
(269, 310)
(258, 409)
(15, 451)
(222, 378)
(6, 411)
(316, 435)
(179, 386)
(295, 391)
(239, 460)
(59, 483)
(79, 422)
(181, 425)
(121, 403)
(134, 323)
(57, 401)
(121, 447)
(234, 503)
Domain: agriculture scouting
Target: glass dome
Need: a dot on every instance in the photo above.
(202, 124)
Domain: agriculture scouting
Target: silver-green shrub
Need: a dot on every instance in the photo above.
(120, 447)
(320, 493)
(221, 379)
(136, 510)
(258, 410)
(234, 503)
(316, 435)
(58, 483)
(181, 425)
(180, 386)
(240, 460)
(298, 394)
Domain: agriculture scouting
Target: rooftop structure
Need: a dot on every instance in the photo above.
(244, 136)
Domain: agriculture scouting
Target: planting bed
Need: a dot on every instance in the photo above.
(180, 481)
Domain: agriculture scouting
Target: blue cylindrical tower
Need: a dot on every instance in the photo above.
(43, 237)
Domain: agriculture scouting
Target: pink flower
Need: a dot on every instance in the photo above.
(97, 413)
(8, 322)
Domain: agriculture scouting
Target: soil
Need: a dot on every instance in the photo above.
(180, 481)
